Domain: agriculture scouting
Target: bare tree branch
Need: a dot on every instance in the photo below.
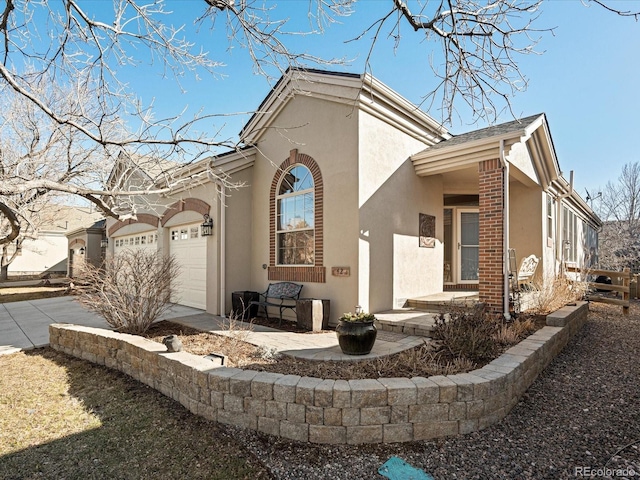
(622, 13)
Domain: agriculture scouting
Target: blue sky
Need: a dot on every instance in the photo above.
(586, 80)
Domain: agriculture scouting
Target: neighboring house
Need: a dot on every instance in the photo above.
(366, 200)
(86, 245)
(48, 252)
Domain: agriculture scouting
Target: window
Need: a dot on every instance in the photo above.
(194, 232)
(549, 216)
(184, 234)
(295, 217)
(143, 240)
(175, 234)
(137, 241)
(569, 235)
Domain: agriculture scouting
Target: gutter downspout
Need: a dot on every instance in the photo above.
(505, 233)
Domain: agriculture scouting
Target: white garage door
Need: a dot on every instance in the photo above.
(144, 240)
(190, 250)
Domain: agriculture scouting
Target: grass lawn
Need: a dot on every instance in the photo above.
(62, 417)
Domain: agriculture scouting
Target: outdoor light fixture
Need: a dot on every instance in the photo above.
(104, 243)
(81, 250)
(206, 229)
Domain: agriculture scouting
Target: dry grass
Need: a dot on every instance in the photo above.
(65, 418)
(19, 294)
(556, 293)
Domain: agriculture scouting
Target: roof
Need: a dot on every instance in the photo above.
(67, 218)
(489, 132)
(362, 90)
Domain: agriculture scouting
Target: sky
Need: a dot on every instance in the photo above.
(586, 78)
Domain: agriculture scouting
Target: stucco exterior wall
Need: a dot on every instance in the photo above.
(329, 136)
(392, 265)
(526, 219)
(239, 233)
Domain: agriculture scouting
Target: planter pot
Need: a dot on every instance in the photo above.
(356, 338)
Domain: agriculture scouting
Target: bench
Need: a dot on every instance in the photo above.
(282, 295)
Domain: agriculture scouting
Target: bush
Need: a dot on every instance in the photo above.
(468, 333)
(130, 290)
(476, 335)
(557, 292)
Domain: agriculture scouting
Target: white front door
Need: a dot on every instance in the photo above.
(190, 251)
(468, 246)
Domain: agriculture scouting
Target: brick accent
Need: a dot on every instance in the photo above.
(188, 204)
(491, 259)
(141, 218)
(317, 272)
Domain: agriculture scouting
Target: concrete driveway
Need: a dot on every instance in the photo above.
(25, 325)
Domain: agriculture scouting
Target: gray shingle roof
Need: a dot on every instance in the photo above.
(488, 132)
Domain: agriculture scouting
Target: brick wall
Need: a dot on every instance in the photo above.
(491, 234)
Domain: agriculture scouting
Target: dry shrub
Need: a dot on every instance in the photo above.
(131, 290)
(556, 292)
(476, 336)
(468, 333)
(511, 333)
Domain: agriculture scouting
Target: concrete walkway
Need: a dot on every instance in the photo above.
(25, 325)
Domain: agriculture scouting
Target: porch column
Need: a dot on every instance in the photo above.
(491, 256)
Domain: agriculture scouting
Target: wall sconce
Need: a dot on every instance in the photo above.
(206, 229)
(81, 251)
(104, 243)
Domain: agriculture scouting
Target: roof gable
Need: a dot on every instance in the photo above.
(362, 91)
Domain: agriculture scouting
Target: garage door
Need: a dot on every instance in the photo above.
(144, 240)
(190, 250)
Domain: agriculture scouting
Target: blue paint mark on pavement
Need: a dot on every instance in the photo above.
(397, 469)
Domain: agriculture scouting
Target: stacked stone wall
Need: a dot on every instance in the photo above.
(320, 410)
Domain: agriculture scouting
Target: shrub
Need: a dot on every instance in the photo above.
(476, 335)
(557, 292)
(130, 290)
(468, 333)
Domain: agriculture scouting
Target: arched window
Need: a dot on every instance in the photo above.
(295, 222)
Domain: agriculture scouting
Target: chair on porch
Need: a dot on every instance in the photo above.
(526, 273)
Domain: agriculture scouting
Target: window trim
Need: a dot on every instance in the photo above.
(297, 273)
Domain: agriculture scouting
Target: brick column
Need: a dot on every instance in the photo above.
(491, 260)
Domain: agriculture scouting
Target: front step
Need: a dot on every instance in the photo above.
(407, 321)
(441, 302)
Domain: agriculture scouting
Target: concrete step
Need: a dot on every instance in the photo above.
(407, 321)
(441, 302)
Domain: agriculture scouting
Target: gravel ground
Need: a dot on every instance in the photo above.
(580, 418)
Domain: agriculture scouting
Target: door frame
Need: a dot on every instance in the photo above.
(458, 250)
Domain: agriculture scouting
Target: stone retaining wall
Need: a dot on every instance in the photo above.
(329, 411)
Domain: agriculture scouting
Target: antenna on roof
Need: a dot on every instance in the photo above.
(590, 197)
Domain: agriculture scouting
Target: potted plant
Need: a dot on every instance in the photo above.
(356, 332)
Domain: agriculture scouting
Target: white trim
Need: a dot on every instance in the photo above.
(459, 212)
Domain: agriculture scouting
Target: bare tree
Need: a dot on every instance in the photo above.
(619, 206)
(131, 290)
(83, 47)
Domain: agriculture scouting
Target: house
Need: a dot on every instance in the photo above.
(47, 252)
(366, 200)
(86, 245)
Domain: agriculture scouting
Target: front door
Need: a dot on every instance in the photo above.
(468, 246)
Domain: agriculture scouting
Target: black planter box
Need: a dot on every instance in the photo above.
(240, 304)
